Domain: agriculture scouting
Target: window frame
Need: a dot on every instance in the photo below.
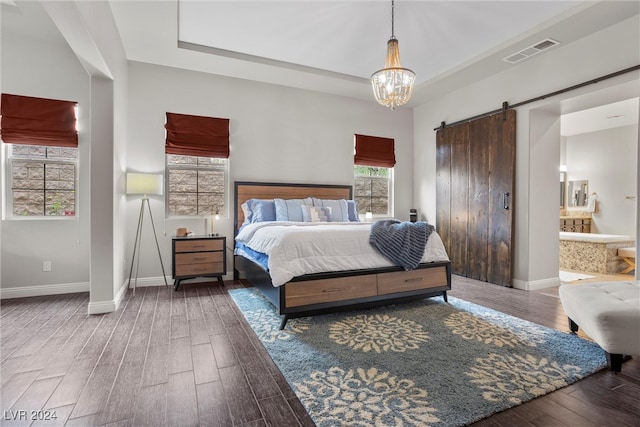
(223, 167)
(9, 159)
(390, 180)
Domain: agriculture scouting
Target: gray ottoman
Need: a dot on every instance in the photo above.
(609, 312)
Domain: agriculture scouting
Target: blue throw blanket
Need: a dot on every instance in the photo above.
(402, 242)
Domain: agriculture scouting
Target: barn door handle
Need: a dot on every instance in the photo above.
(505, 202)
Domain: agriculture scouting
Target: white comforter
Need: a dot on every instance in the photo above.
(297, 248)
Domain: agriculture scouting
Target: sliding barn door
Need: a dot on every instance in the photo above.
(474, 196)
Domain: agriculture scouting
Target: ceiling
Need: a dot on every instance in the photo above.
(334, 46)
(608, 116)
(350, 37)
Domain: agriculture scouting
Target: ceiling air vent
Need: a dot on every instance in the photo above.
(530, 51)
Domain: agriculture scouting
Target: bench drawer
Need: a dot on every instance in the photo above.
(402, 281)
(329, 290)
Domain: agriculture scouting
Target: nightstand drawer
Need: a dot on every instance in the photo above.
(198, 258)
(199, 269)
(199, 245)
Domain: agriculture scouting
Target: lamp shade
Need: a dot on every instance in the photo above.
(144, 183)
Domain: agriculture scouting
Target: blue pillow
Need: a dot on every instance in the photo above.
(353, 211)
(291, 209)
(339, 210)
(261, 210)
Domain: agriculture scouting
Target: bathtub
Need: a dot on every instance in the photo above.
(591, 252)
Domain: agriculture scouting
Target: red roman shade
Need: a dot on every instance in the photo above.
(38, 121)
(197, 136)
(375, 151)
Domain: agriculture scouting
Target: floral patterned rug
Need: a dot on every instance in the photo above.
(423, 363)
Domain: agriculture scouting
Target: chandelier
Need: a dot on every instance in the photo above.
(393, 85)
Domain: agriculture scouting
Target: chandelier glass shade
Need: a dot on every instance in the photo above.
(393, 85)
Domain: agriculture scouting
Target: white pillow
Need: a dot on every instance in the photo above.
(339, 209)
(316, 214)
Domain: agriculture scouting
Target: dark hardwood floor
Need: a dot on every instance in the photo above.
(189, 358)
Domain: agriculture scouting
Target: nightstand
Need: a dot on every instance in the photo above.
(199, 256)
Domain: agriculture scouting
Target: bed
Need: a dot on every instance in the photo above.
(336, 288)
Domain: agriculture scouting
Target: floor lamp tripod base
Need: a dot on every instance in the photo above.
(137, 244)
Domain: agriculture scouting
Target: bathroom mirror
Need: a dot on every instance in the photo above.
(563, 176)
(577, 193)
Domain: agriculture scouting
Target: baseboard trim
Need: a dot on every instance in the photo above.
(101, 307)
(536, 284)
(35, 291)
(144, 282)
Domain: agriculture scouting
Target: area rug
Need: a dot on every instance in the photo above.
(568, 276)
(422, 363)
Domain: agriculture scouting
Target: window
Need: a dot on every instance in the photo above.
(371, 189)
(197, 149)
(374, 160)
(42, 180)
(196, 185)
(41, 140)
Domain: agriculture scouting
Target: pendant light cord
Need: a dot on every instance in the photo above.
(392, 16)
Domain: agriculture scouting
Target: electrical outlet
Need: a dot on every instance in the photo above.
(46, 265)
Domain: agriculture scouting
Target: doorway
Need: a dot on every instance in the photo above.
(599, 174)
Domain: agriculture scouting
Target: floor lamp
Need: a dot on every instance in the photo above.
(145, 184)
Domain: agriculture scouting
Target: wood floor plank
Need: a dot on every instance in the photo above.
(182, 403)
(198, 332)
(178, 305)
(10, 366)
(179, 326)
(34, 398)
(59, 362)
(212, 405)
(151, 406)
(120, 403)
(596, 415)
(156, 368)
(205, 368)
(95, 393)
(263, 385)
(223, 350)
(161, 332)
(92, 349)
(180, 355)
(15, 387)
(276, 411)
(226, 312)
(72, 384)
(242, 405)
(193, 308)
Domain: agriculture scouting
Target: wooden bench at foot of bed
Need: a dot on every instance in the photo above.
(345, 290)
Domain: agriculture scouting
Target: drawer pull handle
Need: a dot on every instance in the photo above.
(415, 279)
(333, 290)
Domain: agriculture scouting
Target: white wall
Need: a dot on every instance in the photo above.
(607, 159)
(277, 134)
(49, 69)
(535, 260)
(83, 60)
